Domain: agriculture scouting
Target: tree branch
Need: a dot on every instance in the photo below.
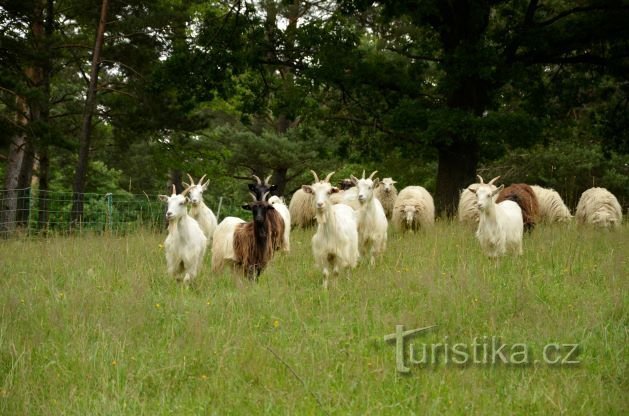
(577, 10)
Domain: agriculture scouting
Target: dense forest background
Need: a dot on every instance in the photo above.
(109, 95)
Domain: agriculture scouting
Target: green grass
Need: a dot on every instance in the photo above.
(93, 325)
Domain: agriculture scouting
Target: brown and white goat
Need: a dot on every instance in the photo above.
(523, 195)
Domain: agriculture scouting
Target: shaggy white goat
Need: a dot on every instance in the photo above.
(413, 209)
(281, 207)
(301, 209)
(468, 206)
(598, 206)
(386, 194)
(223, 243)
(372, 221)
(551, 206)
(500, 227)
(335, 244)
(186, 243)
(198, 210)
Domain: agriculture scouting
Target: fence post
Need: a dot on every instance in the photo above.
(109, 198)
(218, 211)
(30, 210)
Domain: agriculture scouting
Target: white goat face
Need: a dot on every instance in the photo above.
(321, 192)
(365, 189)
(387, 184)
(195, 193)
(177, 206)
(485, 195)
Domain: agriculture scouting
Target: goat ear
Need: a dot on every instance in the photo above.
(497, 190)
(307, 189)
(186, 184)
(472, 190)
(376, 182)
(246, 206)
(334, 190)
(353, 179)
(163, 198)
(252, 187)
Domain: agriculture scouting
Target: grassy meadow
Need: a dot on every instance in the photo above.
(92, 325)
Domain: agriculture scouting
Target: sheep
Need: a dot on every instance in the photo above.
(186, 243)
(386, 194)
(281, 207)
(249, 245)
(301, 209)
(414, 208)
(198, 210)
(468, 208)
(500, 226)
(551, 206)
(260, 188)
(524, 196)
(372, 221)
(599, 207)
(335, 244)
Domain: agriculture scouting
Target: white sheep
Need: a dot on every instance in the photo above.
(301, 209)
(223, 243)
(372, 221)
(386, 194)
(198, 210)
(414, 208)
(468, 206)
(335, 244)
(281, 207)
(186, 243)
(500, 226)
(551, 206)
(598, 206)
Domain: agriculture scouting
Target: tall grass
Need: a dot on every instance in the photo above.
(92, 325)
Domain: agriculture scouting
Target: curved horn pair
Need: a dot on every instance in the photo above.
(257, 179)
(491, 182)
(327, 178)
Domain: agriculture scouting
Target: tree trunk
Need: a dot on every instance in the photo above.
(80, 175)
(456, 169)
(43, 195)
(176, 178)
(279, 179)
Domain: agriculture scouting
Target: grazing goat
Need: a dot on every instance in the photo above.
(253, 243)
(186, 243)
(372, 221)
(198, 210)
(335, 244)
(500, 227)
(468, 206)
(599, 207)
(260, 188)
(386, 194)
(523, 195)
(301, 208)
(281, 207)
(551, 206)
(414, 209)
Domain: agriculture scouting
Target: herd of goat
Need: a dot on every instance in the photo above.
(352, 221)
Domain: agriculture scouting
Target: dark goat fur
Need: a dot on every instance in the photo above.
(255, 241)
(523, 195)
(345, 184)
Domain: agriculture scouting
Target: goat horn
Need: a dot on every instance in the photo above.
(480, 178)
(315, 175)
(264, 196)
(373, 173)
(266, 181)
(363, 174)
(327, 178)
(257, 179)
(491, 182)
(185, 191)
(174, 190)
(253, 196)
(201, 180)
(191, 180)
(186, 184)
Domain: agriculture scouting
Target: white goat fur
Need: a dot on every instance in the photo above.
(386, 194)
(185, 245)
(347, 197)
(223, 243)
(598, 206)
(500, 227)
(199, 211)
(335, 244)
(301, 209)
(281, 207)
(467, 210)
(414, 208)
(551, 206)
(372, 221)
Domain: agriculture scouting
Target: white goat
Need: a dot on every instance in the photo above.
(500, 227)
(414, 208)
(386, 194)
(468, 206)
(186, 243)
(335, 244)
(551, 206)
(223, 243)
(347, 197)
(199, 211)
(281, 207)
(372, 221)
(598, 206)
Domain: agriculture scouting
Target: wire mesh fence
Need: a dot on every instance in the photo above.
(31, 211)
